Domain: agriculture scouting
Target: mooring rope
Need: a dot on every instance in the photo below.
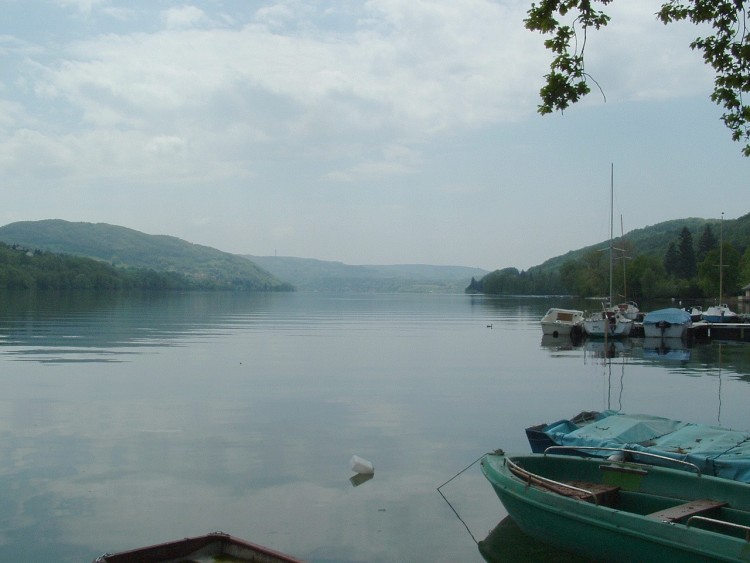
(449, 503)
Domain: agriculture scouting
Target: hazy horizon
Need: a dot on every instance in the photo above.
(378, 132)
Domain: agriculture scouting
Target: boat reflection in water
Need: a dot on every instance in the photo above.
(557, 343)
(506, 542)
(666, 349)
(608, 348)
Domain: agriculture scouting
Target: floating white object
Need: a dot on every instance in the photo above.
(361, 466)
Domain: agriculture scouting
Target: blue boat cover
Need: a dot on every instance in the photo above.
(672, 316)
(716, 451)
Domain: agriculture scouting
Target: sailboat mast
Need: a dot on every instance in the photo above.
(611, 222)
(721, 259)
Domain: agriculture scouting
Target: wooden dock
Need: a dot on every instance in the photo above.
(703, 331)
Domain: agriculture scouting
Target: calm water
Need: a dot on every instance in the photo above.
(132, 420)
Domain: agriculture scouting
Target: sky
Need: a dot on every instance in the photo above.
(360, 131)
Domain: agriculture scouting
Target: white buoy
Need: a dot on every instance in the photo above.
(361, 466)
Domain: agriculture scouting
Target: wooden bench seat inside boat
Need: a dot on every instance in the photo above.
(598, 493)
(602, 494)
(681, 511)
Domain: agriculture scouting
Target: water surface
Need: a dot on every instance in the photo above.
(132, 419)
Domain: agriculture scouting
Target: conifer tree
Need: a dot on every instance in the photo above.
(687, 267)
(672, 260)
(706, 243)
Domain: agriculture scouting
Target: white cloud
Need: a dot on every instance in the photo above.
(183, 17)
(83, 6)
(296, 104)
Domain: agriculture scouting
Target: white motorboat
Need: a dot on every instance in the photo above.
(667, 323)
(720, 314)
(629, 310)
(561, 322)
(607, 324)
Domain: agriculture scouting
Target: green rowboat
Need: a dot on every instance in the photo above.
(620, 511)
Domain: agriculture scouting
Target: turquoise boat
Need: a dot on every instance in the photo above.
(623, 511)
(717, 451)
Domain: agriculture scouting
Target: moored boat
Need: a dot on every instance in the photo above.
(667, 323)
(561, 322)
(696, 313)
(216, 546)
(611, 322)
(629, 310)
(622, 511)
(607, 324)
(720, 314)
(717, 451)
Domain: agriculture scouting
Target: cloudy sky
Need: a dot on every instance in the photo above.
(362, 131)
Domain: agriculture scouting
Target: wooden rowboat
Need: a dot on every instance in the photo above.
(211, 547)
(620, 511)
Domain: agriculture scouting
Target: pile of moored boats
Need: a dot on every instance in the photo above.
(618, 321)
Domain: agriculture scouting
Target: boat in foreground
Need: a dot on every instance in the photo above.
(667, 323)
(210, 547)
(615, 511)
(717, 451)
(561, 322)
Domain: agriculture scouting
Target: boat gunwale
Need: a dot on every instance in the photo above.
(630, 534)
(628, 451)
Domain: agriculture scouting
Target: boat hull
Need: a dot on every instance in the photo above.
(667, 323)
(720, 314)
(619, 533)
(216, 546)
(665, 330)
(561, 322)
(607, 327)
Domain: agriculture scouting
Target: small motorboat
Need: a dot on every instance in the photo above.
(216, 546)
(607, 324)
(720, 314)
(667, 323)
(561, 322)
(629, 309)
(621, 511)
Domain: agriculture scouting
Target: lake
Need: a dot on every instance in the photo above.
(133, 419)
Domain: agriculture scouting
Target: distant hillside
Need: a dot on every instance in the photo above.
(585, 271)
(318, 275)
(124, 247)
(652, 240)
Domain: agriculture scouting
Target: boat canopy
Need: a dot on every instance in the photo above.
(672, 315)
(716, 451)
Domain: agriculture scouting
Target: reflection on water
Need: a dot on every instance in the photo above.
(673, 349)
(506, 542)
(130, 419)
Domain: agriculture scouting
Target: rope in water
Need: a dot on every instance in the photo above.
(449, 503)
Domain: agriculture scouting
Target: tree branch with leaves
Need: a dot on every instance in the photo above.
(726, 50)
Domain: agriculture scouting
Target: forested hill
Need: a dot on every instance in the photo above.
(128, 248)
(674, 258)
(320, 275)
